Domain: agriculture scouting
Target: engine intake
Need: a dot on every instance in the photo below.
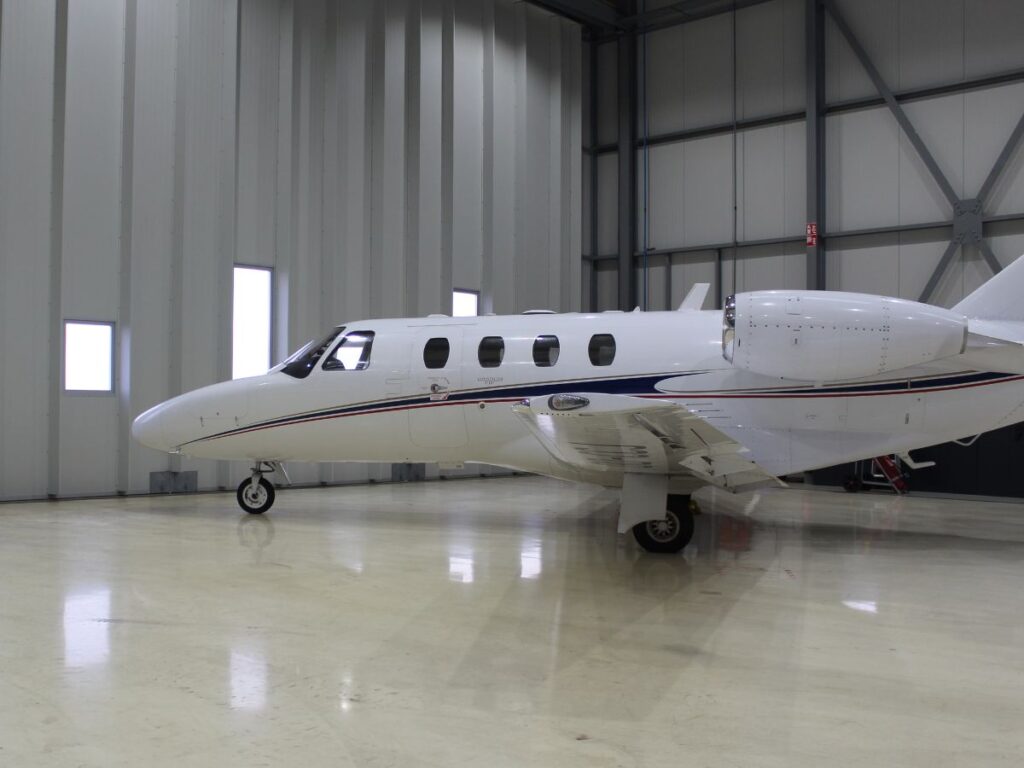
(831, 336)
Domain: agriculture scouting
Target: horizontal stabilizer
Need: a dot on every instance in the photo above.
(994, 345)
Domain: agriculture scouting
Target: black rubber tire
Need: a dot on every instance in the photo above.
(677, 501)
(853, 484)
(260, 504)
(668, 536)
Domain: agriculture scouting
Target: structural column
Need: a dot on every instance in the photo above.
(815, 81)
(627, 86)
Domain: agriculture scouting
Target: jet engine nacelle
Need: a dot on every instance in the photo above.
(831, 336)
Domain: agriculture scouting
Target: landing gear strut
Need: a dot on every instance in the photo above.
(256, 494)
(671, 534)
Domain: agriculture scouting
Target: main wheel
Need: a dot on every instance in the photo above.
(666, 536)
(256, 500)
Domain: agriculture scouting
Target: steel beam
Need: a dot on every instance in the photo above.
(932, 92)
(717, 129)
(942, 229)
(1001, 161)
(892, 103)
(814, 41)
(718, 278)
(594, 188)
(989, 256)
(835, 108)
(627, 78)
(940, 270)
(721, 128)
(127, 190)
(59, 104)
(967, 214)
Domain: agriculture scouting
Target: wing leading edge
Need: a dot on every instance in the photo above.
(596, 432)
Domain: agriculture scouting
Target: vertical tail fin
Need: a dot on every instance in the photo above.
(995, 321)
(1001, 298)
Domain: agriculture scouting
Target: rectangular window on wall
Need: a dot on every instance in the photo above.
(88, 356)
(250, 329)
(465, 303)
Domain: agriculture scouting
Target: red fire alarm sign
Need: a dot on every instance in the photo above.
(812, 234)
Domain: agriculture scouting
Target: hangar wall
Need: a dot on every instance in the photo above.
(375, 154)
(727, 166)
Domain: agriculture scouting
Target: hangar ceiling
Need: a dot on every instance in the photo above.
(605, 19)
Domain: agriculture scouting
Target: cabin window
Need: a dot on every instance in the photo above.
(352, 352)
(491, 351)
(602, 349)
(435, 353)
(88, 356)
(545, 351)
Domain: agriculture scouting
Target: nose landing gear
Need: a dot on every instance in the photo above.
(256, 494)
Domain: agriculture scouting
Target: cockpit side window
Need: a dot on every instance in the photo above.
(302, 362)
(352, 352)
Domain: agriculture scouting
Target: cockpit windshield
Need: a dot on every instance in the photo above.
(302, 362)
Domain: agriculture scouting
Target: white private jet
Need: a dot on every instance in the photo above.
(655, 403)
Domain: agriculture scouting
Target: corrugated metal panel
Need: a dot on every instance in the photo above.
(311, 137)
(153, 315)
(90, 263)
(770, 59)
(989, 118)
(992, 35)
(26, 340)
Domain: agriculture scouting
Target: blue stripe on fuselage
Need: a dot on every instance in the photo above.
(635, 386)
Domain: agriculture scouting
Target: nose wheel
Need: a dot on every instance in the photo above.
(255, 495)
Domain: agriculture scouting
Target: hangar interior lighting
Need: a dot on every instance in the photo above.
(88, 356)
(465, 303)
(250, 329)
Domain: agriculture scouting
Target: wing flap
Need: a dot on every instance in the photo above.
(615, 433)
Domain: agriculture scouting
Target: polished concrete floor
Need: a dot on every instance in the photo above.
(503, 623)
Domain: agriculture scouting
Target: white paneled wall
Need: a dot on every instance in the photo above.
(874, 177)
(375, 154)
(27, 335)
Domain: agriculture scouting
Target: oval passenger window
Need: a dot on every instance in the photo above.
(545, 351)
(491, 351)
(435, 353)
(602, 349)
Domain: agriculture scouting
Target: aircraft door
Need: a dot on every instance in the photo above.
(436, 373)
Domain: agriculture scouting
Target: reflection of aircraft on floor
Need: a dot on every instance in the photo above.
(655, 403)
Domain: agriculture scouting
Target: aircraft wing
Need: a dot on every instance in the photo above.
(599, 432)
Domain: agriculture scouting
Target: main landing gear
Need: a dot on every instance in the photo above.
(256, 494)
(671, 534)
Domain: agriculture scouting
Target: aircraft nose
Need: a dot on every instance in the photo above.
(149, 428)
